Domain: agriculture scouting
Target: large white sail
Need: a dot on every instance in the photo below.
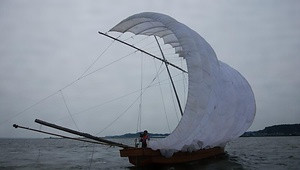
(220, 104)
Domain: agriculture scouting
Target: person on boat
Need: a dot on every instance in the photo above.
(144, 138)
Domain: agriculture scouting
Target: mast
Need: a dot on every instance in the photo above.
(143, 51)
(178, 101)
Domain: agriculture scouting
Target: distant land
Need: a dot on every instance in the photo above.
(276, 130)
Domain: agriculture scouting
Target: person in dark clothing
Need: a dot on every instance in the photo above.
(144, 137)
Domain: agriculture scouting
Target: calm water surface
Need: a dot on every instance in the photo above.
(244, 153)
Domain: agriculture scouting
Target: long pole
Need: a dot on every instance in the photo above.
(53, 134)
(143, 51)
(82, 134)
(178, 101)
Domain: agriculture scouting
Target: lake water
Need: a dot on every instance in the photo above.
(243, 153)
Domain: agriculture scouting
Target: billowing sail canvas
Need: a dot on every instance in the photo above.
(220, 104)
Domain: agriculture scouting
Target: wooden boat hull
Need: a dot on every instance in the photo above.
(147, 156)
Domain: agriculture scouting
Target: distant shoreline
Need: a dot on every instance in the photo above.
(270, 131)
(276, 130)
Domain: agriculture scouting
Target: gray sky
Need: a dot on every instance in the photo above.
(45, 45)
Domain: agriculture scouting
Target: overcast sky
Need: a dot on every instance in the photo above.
(45, 45)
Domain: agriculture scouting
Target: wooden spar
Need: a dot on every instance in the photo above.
(178, 101)
(143, 51)
(53, 134)
(82, 134)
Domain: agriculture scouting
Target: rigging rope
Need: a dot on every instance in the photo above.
(139, 122)
(109, 64)
(157, 74)
(58, 91)
(125, 95)
(119, 116)
(163, 101)
(98, 58)
(63, 97)
(28, 108)
(43, 99)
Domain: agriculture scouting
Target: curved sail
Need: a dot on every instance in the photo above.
(220, 104)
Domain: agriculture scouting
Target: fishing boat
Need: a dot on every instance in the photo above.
(220, 104)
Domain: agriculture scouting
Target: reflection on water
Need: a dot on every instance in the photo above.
(244, 153)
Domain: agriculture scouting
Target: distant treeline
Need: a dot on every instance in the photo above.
(276, 130)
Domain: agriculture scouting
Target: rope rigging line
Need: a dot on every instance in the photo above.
(119, 116)
(109, 101)
(68, 85)
(157, 74)
(163, 101)
(125, 95)
(28, 108)
(63, 97)
(122, 96)
(139, 122)
(98, 57)
(47, 97)
(109, 64)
